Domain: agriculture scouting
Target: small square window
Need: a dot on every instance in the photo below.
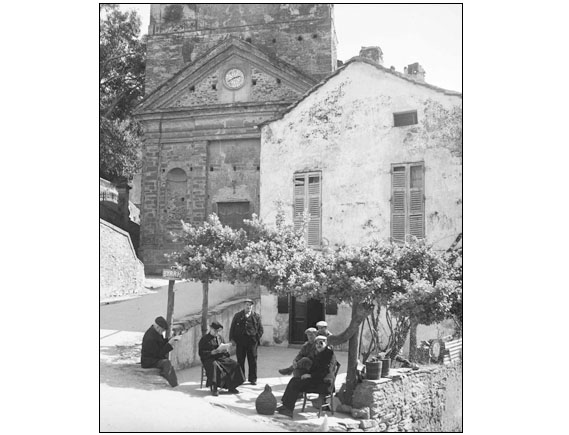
(405, 118)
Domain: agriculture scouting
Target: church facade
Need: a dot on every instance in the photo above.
(214, 73)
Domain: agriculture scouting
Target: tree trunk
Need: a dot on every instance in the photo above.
(413, 341)
(351, 378)
(359, 313)
(205, 309)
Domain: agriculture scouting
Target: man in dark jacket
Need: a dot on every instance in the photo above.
(246, 332)
(320, 377)
(220, 369)
(155, 349)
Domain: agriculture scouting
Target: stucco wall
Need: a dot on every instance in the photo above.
(121, 272)
(345, 129)
(185, 353)
(427, 400)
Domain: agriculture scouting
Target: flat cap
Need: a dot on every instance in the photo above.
(321, 323)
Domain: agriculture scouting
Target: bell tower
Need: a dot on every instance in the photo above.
(213, 73)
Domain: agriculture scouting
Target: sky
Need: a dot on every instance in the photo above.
(426, 33)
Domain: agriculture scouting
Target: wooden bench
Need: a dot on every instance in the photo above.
(453, 351)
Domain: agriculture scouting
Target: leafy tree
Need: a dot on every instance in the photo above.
(121, 88)
(202, 256)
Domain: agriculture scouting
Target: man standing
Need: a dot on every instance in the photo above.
(246, 332)
(155, 349)
(303, 361)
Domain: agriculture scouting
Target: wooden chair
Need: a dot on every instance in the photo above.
(324, 396)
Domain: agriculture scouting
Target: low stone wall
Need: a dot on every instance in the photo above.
(424, 400)
(121, 272)
(185, 353)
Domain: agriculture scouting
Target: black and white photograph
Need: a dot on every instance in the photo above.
(281, 218)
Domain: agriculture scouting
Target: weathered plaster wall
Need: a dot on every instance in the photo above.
(302, 34)
(121, 272)
(185, 353)
(345, 129)
(277, 325)
(426, 400)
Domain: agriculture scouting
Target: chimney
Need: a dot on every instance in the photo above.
(415, 71)
(372, 53)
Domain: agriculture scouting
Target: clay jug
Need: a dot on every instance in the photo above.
(266, 403)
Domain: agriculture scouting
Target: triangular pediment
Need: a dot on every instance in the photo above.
(201, 83)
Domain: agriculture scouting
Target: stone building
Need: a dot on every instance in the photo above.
(368, 152)
(214, 72)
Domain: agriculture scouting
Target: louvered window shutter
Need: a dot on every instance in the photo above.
(417, 202)
(314, 209)
(299, 200)
(398, 202)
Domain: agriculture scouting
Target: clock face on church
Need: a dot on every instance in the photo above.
(234, 78)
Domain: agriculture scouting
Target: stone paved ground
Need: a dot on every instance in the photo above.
(131, 399)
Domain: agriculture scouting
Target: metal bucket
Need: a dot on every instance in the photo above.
(373, 370)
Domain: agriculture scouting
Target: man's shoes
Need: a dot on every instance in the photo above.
(287, 371)
(285, 411)
(234, 391)
(214, 391)
(253, 382)
(280, 408)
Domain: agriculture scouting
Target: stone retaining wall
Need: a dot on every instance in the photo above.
(121, 272)
(425, 400)
(185, 353)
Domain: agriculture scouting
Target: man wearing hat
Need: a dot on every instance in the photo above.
(246, 332)
(155, 349)
(303, 361)
(320, 376)
(323, 328)
(221, 370)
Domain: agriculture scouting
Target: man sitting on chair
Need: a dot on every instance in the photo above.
(303, 361)
(319, 377)
(221, 370)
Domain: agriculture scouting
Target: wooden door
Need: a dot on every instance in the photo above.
(297, 321)
(304, 315)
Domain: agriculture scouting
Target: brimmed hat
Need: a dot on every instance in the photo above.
(311, 330)
(321, 337)
(249, 301)
(161, 321)
(216, 325)
(322, 323)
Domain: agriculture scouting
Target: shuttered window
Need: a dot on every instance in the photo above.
(407, 201)
(307, 198)
(282, 304)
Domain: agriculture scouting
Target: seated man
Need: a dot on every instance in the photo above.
(221, 370)
(323, 328)
(320, 377)
(303, 361)
(155, 349)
